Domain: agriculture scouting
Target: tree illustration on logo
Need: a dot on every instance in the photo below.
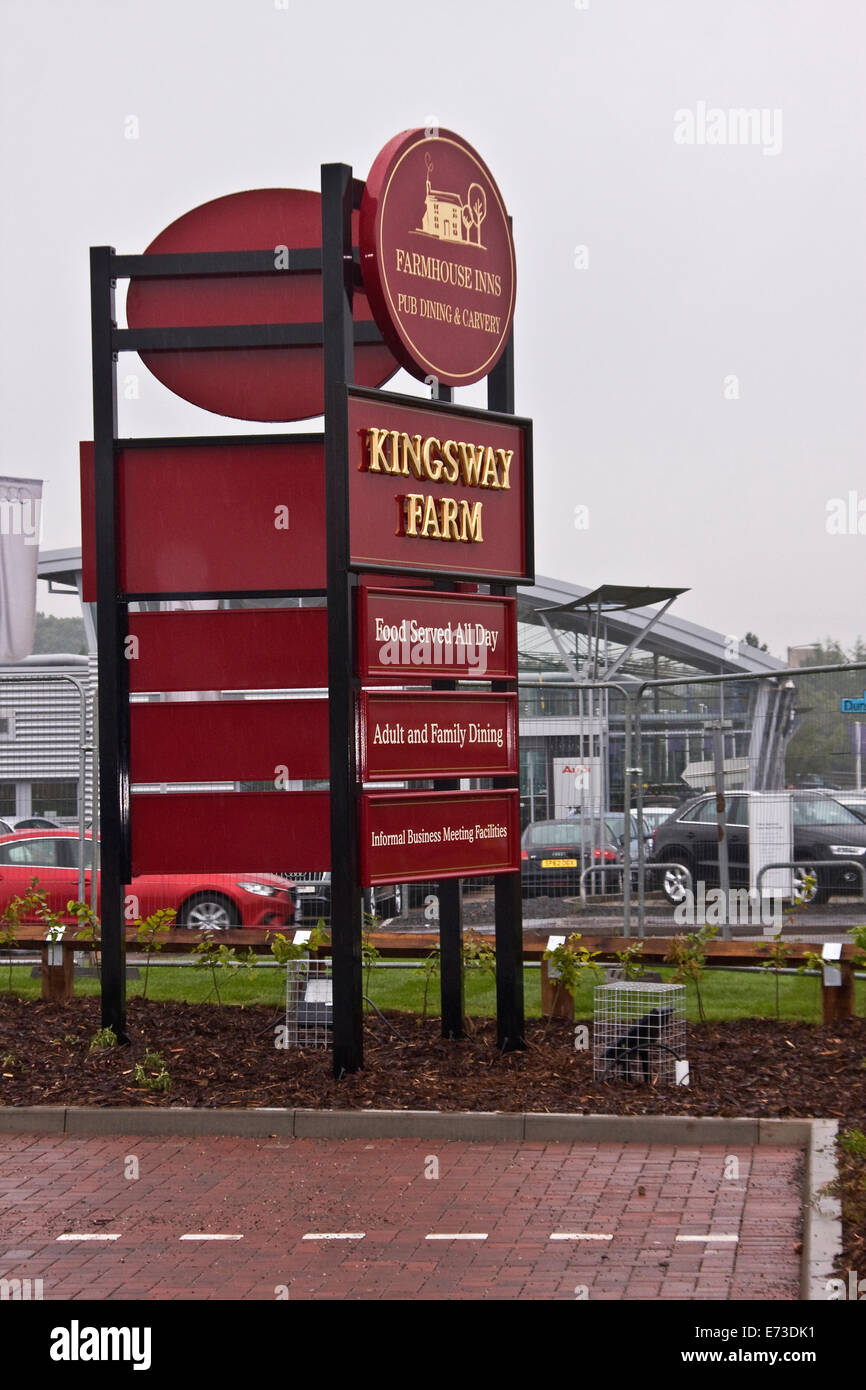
(474, 209)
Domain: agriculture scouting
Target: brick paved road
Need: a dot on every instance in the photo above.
(537, 1204)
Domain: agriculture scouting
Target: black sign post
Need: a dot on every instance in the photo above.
(508, 896)
(339, 195)
(111, 630)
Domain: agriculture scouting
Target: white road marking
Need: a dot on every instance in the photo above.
(99, 1235)
(205, 1235)
(463, 1235)
(335, 1235)
(578, 1235)
(711, 1236)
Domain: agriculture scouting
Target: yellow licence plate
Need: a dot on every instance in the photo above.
(559, 863)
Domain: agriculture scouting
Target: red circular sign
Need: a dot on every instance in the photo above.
(251, 383)
(437, 257)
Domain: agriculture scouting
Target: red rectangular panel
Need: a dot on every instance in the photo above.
(406, 633)
(442, 734)
(229, 741)
(407, 837)
(232, 649)
(202, 518)
(230, 832)
(439, 489)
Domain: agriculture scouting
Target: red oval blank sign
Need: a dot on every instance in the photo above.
(255, 383)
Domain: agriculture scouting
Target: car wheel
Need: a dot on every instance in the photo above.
(208, 912)
(816, 893)
(675, 884)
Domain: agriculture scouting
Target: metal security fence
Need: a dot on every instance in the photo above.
(619, 756)
(46, 773)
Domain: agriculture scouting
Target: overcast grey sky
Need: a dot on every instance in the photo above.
(695, 374)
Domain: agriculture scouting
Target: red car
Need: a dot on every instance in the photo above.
(216, 901)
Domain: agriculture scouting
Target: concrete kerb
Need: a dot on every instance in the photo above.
(822, 1217)
(822, 1224)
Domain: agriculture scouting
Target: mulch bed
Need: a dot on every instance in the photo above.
(227, 1057)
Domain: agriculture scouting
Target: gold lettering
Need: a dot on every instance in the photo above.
(441, 461)
(431, 521)
(505, 457)
(411, 453)
(470, 461)
(490, 477)
(470, 521)
(432, 466)
(375, 440)
(450, 530)
(450, 466)
(413, 504)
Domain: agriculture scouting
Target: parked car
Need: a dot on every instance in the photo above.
(554, 852)
(654, 816)
(9, 824)
(313, 898)
(213, 901)
(823, 829)
(615, 822)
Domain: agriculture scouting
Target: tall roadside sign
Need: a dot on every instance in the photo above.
(412, 518)
(428, 492)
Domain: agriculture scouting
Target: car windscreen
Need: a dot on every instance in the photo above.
(569, 832)
(556, 833)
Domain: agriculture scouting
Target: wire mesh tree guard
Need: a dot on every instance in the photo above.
(639, 1033)
(309, 1003)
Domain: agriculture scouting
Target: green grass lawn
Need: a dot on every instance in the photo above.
(727, 994)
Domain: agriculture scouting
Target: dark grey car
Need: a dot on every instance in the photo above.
(823, 829)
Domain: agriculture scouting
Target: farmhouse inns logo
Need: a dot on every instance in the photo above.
(77, 1343)
(448, 217)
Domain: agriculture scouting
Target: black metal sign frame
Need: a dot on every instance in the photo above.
(341, 194)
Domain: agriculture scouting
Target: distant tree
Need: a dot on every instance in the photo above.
(751, 640)
(59, 635)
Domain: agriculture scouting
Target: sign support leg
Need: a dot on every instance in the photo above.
(346, 897)
(111, 627)
(510, 1022)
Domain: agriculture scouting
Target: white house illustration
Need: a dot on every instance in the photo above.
(447, 217)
